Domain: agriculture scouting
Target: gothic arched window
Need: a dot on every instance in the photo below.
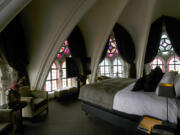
(174, 64)
(166, 57)
(55, 81)
(52, 78)
(112, 65)
(157, 62)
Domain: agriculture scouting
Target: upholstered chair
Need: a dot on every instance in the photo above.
(37, 101)
(7, 122)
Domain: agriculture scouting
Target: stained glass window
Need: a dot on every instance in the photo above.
(65, 82)
(174, 64)
(168, 61)
(112, 65)
(112, 48)
(104, 68)
(64, 50)
(117, 68)
(52, 78)
(157, 62)
(165, 45)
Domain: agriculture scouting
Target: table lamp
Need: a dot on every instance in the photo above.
(166, 90)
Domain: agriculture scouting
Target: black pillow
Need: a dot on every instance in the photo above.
(139, 85)
(152, 80)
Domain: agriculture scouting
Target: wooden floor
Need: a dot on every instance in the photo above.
(66, 118)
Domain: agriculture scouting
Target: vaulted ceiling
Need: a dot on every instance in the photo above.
(47, 23)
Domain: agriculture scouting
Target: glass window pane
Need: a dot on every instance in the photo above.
(54, 85)
(49, 76)
(64, 83)
(64, 73)
(64, 65)
(69, 82)
(48, 86)
(53, 65)
(54, 74)
(117, 68)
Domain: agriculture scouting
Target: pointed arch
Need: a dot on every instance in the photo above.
(158, 61)
(174, 63)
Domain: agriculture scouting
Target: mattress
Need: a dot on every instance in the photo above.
(146, 103)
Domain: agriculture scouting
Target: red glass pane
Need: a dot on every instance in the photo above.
(62, 49)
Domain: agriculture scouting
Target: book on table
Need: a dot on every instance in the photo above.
(147, 123)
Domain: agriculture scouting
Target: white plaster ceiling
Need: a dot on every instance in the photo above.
(47, 23)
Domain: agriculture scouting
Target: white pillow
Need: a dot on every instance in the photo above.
(168, 77)
(177, 85)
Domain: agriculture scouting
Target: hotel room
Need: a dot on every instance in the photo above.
(89, 67)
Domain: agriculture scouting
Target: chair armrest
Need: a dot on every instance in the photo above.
(7, 115)
(27, 99)
(39, 94)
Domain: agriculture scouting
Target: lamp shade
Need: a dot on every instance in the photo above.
(166, 90)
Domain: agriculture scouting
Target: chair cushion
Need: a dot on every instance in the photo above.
(39, 102)
(5, 128)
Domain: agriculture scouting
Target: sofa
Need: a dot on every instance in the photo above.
(37, 101)
(7, 122)
(66, 93)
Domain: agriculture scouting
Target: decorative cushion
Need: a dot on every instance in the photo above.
(152, 80)
(177, 85)
(139, 85)
(168, 78)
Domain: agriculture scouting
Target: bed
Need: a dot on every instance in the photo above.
(112, 100)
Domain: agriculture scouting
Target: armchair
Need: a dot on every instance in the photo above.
(7, 122)
(37, 101)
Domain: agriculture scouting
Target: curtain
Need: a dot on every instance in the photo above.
(104, 51)
(173, 30)
(78, 52)
(76, 43)
(126, 47)
(153, 40)
(13, 46)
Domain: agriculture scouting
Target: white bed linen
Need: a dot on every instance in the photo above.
(145, 103)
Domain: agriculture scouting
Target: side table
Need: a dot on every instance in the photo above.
(153, 126)
(17, 107)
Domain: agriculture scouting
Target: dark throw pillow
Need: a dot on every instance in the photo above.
(152, 80)
(139, 85)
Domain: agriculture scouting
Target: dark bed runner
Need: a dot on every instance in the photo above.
(102, 93)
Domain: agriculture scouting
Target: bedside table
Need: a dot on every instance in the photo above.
(152, 126)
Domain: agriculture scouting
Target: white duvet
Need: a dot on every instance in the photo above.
(145, 103)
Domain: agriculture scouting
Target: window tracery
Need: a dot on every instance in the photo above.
(166, 57)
